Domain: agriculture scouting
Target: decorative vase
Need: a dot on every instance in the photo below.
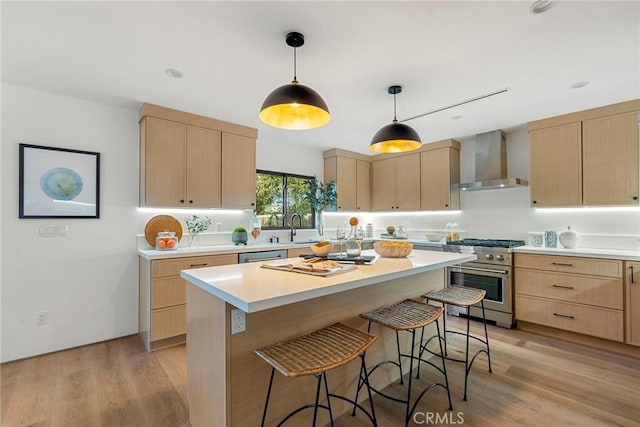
(319, 223)
(239, 237)
(568, 238)
(194, 240)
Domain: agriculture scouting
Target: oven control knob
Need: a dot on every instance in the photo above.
(489, 256)
(500, 257)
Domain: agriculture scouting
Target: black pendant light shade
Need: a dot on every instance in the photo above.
(395, 137)
(294, 106)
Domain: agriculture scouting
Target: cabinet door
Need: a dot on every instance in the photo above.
(383, 181)
(438, 169)
(556, 166)
(238, 172)
(632, 307)
(408, 182)
(347, 181)
(362, 186)
(164, 163)
(610, 160)
(203, 167)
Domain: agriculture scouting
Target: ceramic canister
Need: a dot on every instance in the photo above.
(550, 239)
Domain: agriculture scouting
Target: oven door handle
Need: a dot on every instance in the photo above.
(485, 270)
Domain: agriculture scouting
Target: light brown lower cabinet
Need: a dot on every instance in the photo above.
(580, 295)
(632, 299)
(162, 300)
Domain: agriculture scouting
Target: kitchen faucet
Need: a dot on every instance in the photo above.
(293, 227)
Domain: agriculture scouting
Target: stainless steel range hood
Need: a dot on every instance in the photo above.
(491, 164)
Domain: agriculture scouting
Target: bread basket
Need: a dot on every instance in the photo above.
(393, 249)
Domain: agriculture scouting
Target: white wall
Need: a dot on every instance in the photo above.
(87, 281)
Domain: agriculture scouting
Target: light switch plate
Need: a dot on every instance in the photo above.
(53, 230)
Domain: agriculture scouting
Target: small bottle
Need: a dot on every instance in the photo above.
(448, 232)
(369, 231)
(455, 232)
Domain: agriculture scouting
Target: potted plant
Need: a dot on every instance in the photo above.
(239, 236)
(195, 225)
(322, 196)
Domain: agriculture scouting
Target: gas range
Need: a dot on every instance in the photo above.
(489, 251)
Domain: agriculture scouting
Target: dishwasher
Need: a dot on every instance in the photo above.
(261, 256)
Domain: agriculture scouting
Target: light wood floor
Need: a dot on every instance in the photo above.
(536, 381)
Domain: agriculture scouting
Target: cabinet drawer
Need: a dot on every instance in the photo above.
(172, 267)
(599, 322)
(598, 291)
(168, 322)
(168, 291)
(563, 264)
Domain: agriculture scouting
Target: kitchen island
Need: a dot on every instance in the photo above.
(227, 382)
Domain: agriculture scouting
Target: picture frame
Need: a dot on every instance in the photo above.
(58, 182)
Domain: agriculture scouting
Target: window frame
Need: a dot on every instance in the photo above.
(285, 197)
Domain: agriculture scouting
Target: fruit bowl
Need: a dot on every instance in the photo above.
(393, 249)
(321, 249)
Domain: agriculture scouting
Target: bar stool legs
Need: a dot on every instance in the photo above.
(474, 296)
(408, 316)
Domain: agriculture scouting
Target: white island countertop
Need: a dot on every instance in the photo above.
(252, 288)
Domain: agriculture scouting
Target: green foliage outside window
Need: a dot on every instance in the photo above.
(281, 195)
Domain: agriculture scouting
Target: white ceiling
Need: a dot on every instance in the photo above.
(233, 54)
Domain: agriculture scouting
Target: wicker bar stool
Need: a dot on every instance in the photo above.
(409, 316)
(315, 354)
(460, 296)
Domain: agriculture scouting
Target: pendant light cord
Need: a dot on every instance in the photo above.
(295, 68)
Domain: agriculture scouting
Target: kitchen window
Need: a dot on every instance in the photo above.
(280, 195)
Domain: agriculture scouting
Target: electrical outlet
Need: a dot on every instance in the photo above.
(238, 321)
(42, 318)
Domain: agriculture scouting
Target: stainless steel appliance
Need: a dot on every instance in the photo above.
(245, 257)
(492, 271)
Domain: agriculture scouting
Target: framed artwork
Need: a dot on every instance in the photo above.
(58, 183)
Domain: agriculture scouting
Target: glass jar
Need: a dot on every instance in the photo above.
(166, 241)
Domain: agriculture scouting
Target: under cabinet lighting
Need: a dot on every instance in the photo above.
(191, 211)
(588, 209)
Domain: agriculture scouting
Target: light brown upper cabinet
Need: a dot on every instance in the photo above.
(396, 183)
(238, 171)
(350, 172)
(556, 166)
(194, 161)
(587, 158)
(439, 169)
(610, 160)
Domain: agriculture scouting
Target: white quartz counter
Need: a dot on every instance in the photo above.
(626, 255)
(252, 288)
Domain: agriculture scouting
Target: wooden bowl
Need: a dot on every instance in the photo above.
(393, 249)
(322, 249)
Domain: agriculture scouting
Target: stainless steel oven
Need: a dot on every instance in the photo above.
(492, 271)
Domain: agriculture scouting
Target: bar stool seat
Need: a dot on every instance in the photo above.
(315, 354)
(460, 296)
(408, 315)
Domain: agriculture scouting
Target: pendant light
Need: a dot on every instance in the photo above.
(294, 106)
(395, 137)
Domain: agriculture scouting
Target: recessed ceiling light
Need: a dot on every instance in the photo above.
(578, 85)
(176, 74)
(541, 6)
(456, 117)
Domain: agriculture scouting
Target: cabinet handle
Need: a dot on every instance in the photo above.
(204, 264)
(397, 207)
(562, 264)
(535, 201)
(181, 200)
(339, 207)
(632, 281)
(563, 287)
(190, 201)
(563, 315)
(635, 197)
(446, 205)
(253, 204)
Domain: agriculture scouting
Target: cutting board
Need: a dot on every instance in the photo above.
(160, 223)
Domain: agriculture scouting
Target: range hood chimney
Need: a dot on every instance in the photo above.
(491, 164)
